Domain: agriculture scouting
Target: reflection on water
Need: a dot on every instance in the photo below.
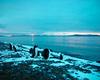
(86, 47)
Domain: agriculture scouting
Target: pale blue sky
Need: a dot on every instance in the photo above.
(37, 16)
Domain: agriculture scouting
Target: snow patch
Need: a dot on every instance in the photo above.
(34, 65)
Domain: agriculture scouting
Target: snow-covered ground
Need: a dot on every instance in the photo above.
(70, 68)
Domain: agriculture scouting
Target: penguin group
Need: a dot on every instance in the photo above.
(35, 52)
(44, 53)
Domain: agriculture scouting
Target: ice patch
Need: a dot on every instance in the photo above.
(55, 60)
(16, 59)
(34, 65)
(58, 64)
(27, 46)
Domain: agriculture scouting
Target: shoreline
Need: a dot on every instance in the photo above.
(19, 65)
(87, 47)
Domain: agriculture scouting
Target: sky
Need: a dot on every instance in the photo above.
(40, 16)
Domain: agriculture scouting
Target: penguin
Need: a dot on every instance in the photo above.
(61, 57)
(10, 46)
(14, 48)
(34, 51)
(45, 53)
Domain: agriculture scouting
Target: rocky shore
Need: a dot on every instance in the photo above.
(19, 65)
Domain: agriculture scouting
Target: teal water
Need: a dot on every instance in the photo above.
(87, 47)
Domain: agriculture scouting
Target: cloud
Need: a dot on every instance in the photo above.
(49, 15)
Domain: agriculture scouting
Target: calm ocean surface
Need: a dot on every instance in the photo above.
(87, 47)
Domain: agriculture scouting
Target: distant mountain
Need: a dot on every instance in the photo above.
(71, 33)
(49, 34)
(84, 35)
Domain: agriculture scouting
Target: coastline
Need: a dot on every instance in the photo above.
(20, 66)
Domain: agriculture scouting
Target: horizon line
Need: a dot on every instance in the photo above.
(53, 33)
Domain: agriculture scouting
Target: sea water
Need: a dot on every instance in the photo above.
(87, 47)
